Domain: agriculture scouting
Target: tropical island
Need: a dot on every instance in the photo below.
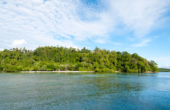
(51, 58)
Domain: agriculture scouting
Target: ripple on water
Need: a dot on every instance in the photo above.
(84, 91)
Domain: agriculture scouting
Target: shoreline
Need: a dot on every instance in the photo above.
(71, 72)
(54, 71)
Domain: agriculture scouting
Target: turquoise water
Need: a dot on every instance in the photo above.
(51, 91)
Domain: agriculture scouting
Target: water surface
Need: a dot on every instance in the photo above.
(84, 91)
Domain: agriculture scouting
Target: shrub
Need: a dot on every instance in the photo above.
(43, 68)
(105, 70)
(36, 68)
(98, 70)
(50, 66)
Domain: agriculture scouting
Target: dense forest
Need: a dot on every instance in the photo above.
(72, 59)
(164, 70)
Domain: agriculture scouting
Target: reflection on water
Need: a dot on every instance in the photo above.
(85, 91)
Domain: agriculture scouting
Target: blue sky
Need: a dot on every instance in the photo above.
(136, 26)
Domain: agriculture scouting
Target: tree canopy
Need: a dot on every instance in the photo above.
(61, 58)
(164, 70)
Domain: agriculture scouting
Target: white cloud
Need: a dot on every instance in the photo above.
(18, 43)
(143, 43)
(64, 23)
(1, 49)
(57, 22)
(139, 16)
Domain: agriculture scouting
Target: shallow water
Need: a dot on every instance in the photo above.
(84, 91)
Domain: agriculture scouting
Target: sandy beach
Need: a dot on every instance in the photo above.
(54, 71)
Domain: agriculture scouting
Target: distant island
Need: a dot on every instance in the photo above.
(72, 59)
(164, 70)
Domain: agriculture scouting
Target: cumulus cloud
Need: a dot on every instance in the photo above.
(65, 23)
(1, 49)
(18, 43)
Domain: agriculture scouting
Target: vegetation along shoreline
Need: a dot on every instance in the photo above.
(60, 59)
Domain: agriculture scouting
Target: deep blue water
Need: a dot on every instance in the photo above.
(62, 91)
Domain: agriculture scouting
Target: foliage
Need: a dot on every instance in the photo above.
(164, 70)
(65, 59)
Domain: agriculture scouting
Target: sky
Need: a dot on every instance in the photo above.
(135, 26)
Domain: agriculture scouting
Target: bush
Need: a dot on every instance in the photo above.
(1, 68)
(84, 69)
(25, 69)
(19, 68)
(11, 68)
(50, 66)
(62, 68)
(132, 71)
(71, 67)
(43, 68)
(36, 68)
(56, 67)
(31, 68)
(105, 70)
(98, 70)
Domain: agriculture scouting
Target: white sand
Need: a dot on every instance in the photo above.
(54, 71)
